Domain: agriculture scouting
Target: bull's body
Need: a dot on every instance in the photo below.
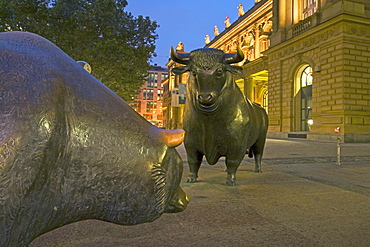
(218, 119)
(70, 149)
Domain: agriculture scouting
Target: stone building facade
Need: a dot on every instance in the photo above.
(308, 63)
(251, 32)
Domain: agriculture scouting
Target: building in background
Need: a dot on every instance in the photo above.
(174, 95)
(149, 102)
(307, 62)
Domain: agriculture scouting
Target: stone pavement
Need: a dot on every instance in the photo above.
(302, 198)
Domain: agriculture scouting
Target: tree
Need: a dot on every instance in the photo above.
(116, 44)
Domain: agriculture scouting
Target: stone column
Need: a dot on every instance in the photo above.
(257, 42)
(248, 88)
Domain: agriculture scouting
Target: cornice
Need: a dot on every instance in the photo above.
(342, 25)
(257, 12)
(254, 66)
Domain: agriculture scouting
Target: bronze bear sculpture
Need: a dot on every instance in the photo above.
(71, 149)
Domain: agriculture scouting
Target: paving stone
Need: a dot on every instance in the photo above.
(289, 204)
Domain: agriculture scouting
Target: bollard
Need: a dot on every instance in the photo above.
(338, 151)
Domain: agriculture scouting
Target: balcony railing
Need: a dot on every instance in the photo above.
(302, 26)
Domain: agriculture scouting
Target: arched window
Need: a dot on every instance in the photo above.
(306, 77)
(306, 98)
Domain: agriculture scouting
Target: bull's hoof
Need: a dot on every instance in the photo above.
(230, 183)
(258, 171)
(192, 180)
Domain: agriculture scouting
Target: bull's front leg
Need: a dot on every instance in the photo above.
(194, 160)
(231, 168)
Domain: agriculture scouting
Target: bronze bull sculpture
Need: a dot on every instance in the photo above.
(218, 119)
(71, 149)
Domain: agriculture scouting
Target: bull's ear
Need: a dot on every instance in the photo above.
(234, 69)
(180, 70)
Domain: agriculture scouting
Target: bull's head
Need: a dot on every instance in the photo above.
(210, 74)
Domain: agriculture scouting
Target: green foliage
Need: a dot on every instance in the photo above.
(116, 44)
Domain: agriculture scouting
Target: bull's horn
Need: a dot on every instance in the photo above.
(234, 57)
(173, 138)
(179, 57)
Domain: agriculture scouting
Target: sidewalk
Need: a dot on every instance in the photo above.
(302, 150)
(304, 203)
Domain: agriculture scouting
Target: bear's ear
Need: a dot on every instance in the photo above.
(234, 69)
(180, 70)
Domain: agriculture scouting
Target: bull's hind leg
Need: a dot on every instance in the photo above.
(257, 150)
(195, 160)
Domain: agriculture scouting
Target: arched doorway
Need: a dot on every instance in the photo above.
(303, 99)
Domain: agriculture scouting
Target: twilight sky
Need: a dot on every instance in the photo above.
(187, 21)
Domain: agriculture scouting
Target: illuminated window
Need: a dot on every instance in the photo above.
(306, 98)
(160, 94)
(136, 105)
(148, 94)
(309, 8)
(152, 80)
(306, 78)
(152, 83)
(151, 107)
(164, 76)
(148, 116)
